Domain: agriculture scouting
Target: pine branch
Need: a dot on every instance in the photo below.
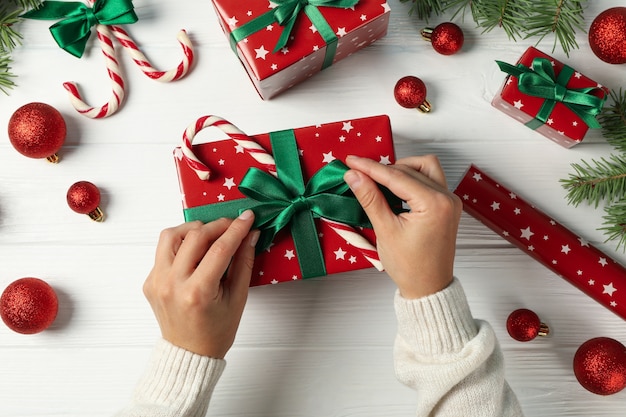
(510, 15)
(613, 121)
(561, 17)
(615, 223)
(606, 181)
(6, 77)
(10, 37)
(425, 8)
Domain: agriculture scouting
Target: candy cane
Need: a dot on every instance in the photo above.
(350, 235)
(117, 81)
(347, 232)
(140, 59)
(255, 150)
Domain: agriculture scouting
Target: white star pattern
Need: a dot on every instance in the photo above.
(239, 149)
(526, 233)
(340, 254)
(602, 261)
(477, 176)
(341, 32)
(386, 7)
(232, 22)
(347, 126)
(518, 104)
(384, 160)
(261, 52)
(328, 157)
(229, 182)
(289, 254)
(221, 197)
(352, 259)
(565, 249)
(609, 289)
(495, 206)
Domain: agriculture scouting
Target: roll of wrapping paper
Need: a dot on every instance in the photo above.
(543, 238)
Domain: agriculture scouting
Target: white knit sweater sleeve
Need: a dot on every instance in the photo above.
(453, 361)
(177, 383)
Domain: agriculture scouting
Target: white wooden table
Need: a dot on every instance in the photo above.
(315, 348)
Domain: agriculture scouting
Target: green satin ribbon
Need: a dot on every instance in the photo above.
(285, 201)
(540, 81)
(74, 30)
(285, 14)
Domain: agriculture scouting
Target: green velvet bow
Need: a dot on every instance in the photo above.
(286, 13)
(72, 32)
(540, 81)
(285, 201)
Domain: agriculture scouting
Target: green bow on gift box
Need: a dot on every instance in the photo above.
(285, 14)
(285, 201)
(540, 81)
(73, 31)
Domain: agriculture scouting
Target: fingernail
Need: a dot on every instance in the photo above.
(254, 237)
(246, 215)
(353, 157)
(353, 179)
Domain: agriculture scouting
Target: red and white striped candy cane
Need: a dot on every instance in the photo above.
(347, 232)
(117, 81)
(140, 59)
(248, 144)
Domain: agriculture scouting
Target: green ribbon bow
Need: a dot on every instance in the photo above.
(74, 30)
(285, 14)
(285, 201)
(540, 81)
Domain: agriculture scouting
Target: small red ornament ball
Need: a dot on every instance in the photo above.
(28, 305)
(37, 130)
(410, 92)
(607, 35)
(84, 197)
(600, 365)
(524, 325)
(447, 38)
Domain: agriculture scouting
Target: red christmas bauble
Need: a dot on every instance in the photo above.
(600, 365)
(447, 38)
(84, 197)
(607, 35)
(410, 92)
(28, 305)
(524, 325)
(37, 130)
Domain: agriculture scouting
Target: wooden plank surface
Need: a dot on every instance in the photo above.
(317, 348)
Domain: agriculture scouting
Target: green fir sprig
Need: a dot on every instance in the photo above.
(520, 19)
(10, 37)
(604, 180)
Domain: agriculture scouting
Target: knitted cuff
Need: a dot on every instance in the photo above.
(438, 324)
(179, 380)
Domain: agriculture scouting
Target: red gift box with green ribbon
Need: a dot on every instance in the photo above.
(550, 97)
(283, 42)
(311, 224)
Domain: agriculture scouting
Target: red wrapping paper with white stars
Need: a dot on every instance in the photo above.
(369, 137)
(303, 56)
(563, 126)
(543, 238)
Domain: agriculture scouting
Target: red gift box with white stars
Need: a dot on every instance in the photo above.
(317, 145)
(305, 53)
(562, 126)
(544, 239)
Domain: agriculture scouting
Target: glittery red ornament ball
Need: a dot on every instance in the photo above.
(83, 197)
(600, 365)
(37, 130)
(523, 325)
(28, 305)
(410, 92)
(447, 38)
(607, 35)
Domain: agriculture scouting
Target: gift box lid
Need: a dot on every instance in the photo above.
(305, 39)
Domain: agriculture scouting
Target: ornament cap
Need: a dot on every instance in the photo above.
(53, 159)
(425, 107)
(544, 330)
(96, 215)
(427, 34)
